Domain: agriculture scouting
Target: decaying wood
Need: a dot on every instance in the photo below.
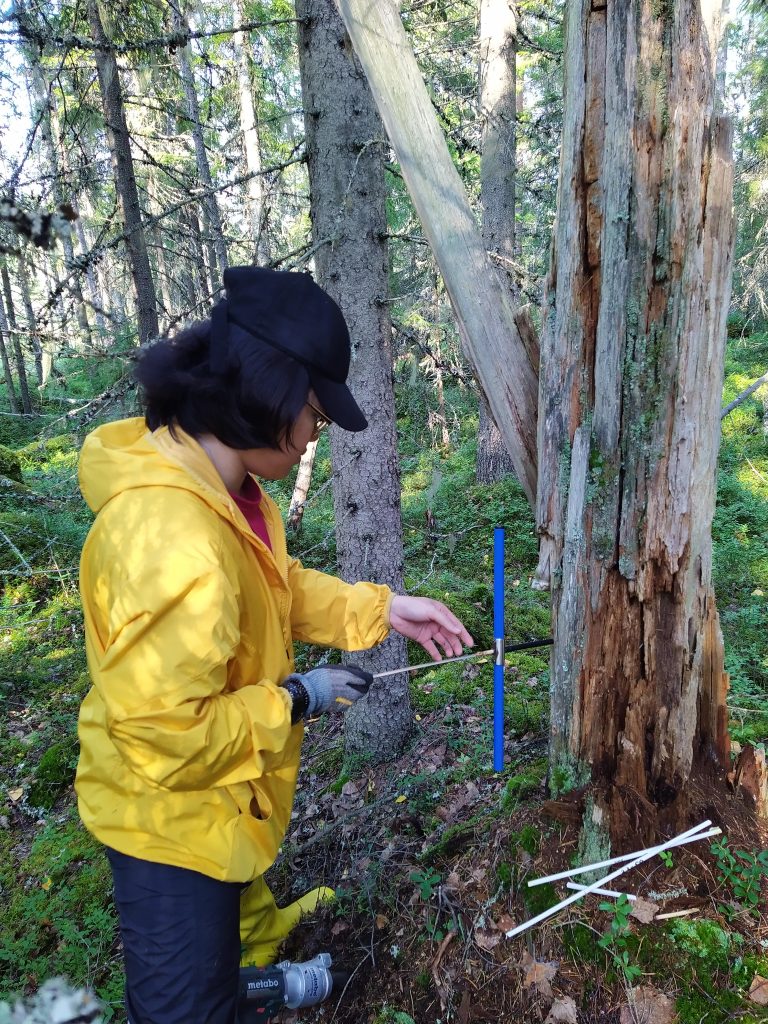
(479, 295)
(629, 420)
(751, 779)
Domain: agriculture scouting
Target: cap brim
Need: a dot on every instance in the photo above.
(337, 402)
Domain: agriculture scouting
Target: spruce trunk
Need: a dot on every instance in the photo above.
(125, 178)
(629, 414)
(345, 152)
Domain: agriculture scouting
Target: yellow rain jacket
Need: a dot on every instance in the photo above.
(188, 756)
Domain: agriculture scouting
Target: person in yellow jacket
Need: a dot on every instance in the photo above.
(191, 733)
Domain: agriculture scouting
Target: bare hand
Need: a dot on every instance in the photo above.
(429, 623)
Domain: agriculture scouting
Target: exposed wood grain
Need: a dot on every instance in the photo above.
(480, 298)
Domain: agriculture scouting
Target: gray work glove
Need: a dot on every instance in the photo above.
(330, 687)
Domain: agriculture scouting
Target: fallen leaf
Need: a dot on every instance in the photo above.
(381, 921)
(487, 938)
(46, 885)
(505, 922)
(339, 927)
(564, 1010)
(16, 794)
(648, 1005)
(643, 910)
(350, 789)
(758, 990)
(538, 974)
(400, 799)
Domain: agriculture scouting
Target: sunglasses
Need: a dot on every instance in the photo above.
(321, 420)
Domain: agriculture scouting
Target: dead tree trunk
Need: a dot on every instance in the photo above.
(125, 179)
(629, 422)
(345, 154)
(503, 364)
(498, 109)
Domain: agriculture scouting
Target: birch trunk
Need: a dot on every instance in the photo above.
(48, 128)
(345, 151)
(498, 110)
(251, 148)
(125, 178)
(301, 488)
(209, 202)
(632, 364)
(479, 295)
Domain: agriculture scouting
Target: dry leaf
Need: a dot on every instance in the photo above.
(538, 975)
(381, 921)
(505, 923)
(487, 938)
(643, 910)
(350, 789)
(563, 1010)
(339, 927)
(647, 1005)
(758, 990)
(16, 794)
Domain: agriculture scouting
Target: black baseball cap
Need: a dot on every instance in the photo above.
(287, 311)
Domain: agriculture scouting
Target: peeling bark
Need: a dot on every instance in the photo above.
(629, 422)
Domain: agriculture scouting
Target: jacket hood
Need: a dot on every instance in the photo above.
(125, 454)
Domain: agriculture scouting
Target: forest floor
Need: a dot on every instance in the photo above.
(430, 857)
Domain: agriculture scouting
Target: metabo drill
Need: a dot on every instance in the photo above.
(266, 990)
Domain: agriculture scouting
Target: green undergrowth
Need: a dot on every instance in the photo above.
(740, 535)
(57, 916)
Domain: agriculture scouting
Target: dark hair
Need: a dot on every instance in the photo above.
(253, 403)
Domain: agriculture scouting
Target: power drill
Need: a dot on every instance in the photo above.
(266, 990)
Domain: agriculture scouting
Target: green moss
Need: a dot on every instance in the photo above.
(10, 465)
(54, 773)
(538, 898)
(523, 785)
(528, 839)
(567, 774)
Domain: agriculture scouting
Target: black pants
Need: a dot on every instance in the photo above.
(181, 940)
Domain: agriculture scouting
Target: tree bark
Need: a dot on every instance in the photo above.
(209, 202)
(301, 488)
(11, 327)
(251, 149)
(498, 109)
(10, 387)
(632, 365)
(125, 178)
(33, 336)
(48, 127)
(345, 151)
(479, 295)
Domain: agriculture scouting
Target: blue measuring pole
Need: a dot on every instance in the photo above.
(498, 649)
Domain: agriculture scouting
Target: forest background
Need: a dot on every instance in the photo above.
(144, 148)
